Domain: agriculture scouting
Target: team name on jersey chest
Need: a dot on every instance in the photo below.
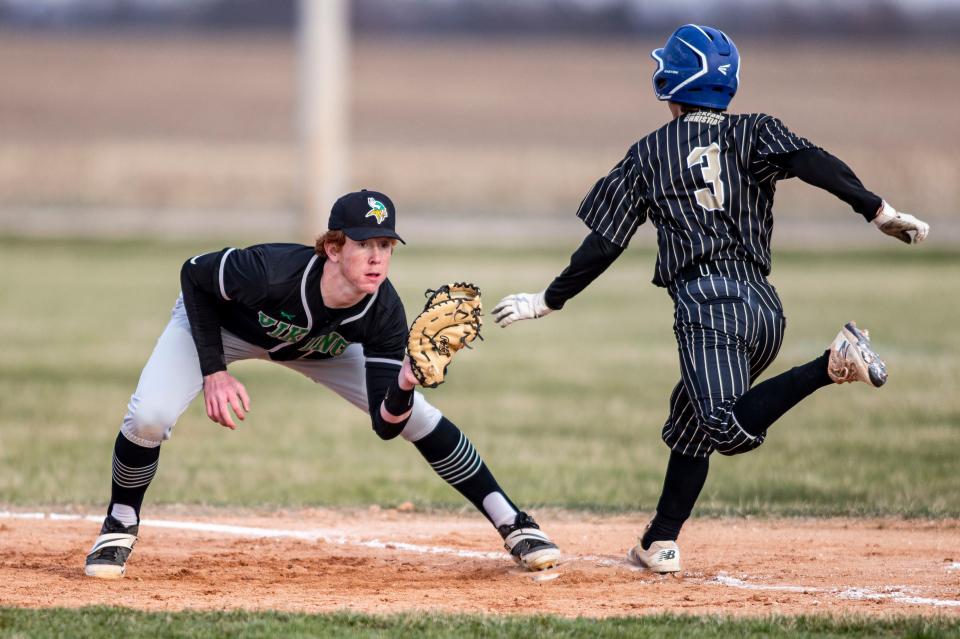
(331, 343)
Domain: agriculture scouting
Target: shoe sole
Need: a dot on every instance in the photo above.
(541, 560)
(876, 369)
(104, 571)
(662, 569)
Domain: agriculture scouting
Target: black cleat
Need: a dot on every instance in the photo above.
(108, 557)
(528, 545)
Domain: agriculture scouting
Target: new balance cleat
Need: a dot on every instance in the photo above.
(661, 556)
(853, 360)
(528, 545)
(108, 557)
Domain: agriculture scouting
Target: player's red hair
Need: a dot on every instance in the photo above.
(337, 238)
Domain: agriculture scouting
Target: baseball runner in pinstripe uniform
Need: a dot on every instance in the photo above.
(326, 311)
(706, 180)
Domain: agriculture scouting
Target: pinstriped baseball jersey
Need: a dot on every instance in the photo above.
(706, 182)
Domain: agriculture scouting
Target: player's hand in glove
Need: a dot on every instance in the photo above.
(450, 320)
(407, 380)
(900, 225)
(520, 306)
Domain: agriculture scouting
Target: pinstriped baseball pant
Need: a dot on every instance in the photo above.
(728, 331)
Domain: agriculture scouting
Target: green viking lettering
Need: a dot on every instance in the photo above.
(331, 343)
(265, 320)
(279, 330)
(339, 347)
(324, 342)
(288, 332)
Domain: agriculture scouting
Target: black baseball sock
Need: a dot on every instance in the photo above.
(766, 402)
(454, 458)
(681, 487)
(133, 469)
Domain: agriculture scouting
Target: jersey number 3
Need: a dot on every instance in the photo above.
(707, 158)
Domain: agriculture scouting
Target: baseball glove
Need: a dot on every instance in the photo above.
(450, 320)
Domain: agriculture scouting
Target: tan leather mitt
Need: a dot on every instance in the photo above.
(450, 320)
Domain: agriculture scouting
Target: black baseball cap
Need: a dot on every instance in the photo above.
(364, 214)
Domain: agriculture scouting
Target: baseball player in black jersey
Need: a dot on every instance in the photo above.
(706, 180)
(326, 311)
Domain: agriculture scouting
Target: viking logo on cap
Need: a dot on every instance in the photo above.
(377, 210)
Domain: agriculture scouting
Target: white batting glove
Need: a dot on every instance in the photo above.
(901, 225)
(520, 306)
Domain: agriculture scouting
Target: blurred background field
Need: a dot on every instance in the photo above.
(101, 131)
(567, 410)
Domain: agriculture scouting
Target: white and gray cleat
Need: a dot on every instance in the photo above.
(852, 359)
(528, 545)
(661, 556)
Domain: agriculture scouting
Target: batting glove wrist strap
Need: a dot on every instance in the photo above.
(903, 226)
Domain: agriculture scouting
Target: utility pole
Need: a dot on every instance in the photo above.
(324, 102)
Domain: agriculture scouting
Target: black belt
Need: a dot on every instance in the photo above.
(725, 268)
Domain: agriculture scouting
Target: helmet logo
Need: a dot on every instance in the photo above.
(377, 210)
(723, 68)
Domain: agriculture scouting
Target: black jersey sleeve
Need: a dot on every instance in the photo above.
(773, 139)
(395, 401)
(198, 285)
(614, 207)
(244, 276)
(818, 168)
(385, 346)
(207, 281)
(383, 353)
(591, 259)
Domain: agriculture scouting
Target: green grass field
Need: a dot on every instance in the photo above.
(567, 409)
(113, 622)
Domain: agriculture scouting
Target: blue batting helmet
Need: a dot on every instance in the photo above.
(698, 66)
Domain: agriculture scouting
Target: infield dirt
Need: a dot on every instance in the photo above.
(743, 567)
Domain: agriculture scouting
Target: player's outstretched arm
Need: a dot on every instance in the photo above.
(397, 402)
(592, 258)
(903, 226)
(390, 394)
(221, 392)
(821, 169)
